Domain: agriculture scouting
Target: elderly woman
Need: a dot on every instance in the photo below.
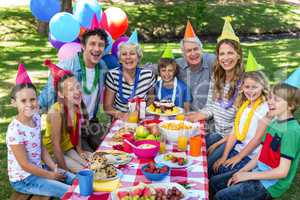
(127, 82)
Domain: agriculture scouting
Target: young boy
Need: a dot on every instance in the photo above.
(275, 167)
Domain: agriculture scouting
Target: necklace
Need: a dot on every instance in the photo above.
(230, 101)
(173, 92)
(96, 78)
(75, 125)
(242, 136)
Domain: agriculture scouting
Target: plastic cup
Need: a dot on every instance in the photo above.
(195, 145)
(182, 141)
(85, 178)
(162, 144)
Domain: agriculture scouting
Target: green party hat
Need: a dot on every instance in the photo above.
(168, 53)
(252, 65)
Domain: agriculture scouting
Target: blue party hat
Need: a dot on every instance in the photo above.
(133, 38)
(294, 79)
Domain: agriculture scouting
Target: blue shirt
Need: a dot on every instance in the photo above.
(183, 93)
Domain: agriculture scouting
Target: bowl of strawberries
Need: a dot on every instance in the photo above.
(155, 171)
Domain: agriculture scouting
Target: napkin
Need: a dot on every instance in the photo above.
(106, 186)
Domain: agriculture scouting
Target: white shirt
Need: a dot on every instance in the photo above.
(259, 113)
(90, 99)
(18, 133)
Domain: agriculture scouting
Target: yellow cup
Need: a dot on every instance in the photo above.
(133, 117)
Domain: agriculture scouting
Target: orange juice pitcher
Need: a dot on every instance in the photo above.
(195, 145)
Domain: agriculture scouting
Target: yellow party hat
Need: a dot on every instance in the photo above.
(252, 65)
(168, 53)
(228, 32)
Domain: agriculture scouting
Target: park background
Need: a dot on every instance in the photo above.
(270, 29)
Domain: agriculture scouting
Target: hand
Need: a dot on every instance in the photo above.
(232, 161)
(59, 176)
(239, 177)
(212, 148)
(122, 116)
(195, 116)
(218, 163)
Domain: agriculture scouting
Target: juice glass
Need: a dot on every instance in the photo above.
(162, 144)
(195, 145)
(182, 141)
(133, 117)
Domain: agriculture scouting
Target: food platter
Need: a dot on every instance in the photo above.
(162, 159)
(118, 175)
(178, 109)
(116, 157)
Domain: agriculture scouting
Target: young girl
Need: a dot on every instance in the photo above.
(242, 143)
(24, 149)
(170, 87)
(270, 173)
(62, 136)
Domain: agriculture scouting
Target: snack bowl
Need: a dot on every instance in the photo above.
(172, 129)
(155, 172)
(145, 148)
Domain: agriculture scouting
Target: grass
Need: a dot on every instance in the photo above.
(20, 42)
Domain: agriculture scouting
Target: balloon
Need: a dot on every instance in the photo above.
(57, 44)
(115, 21)
(68, 50)
(116, 44)
(109, 46)
(111, 61)
(64, 27)
(44, 9)
(85, 10)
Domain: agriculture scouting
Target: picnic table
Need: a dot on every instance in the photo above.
(195, 176)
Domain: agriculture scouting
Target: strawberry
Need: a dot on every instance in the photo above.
(174, 159)
(122, 194)
(164, 169)
(147, 192)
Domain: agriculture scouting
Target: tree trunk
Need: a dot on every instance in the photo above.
(42, 28)
(66, 5)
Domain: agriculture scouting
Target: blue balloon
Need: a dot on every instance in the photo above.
(111, 61)
(64, 27)
(85, 10)
(43, 10)
(109, 46)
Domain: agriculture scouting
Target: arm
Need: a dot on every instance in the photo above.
(108, 104)
(47, 159)
(55, 120)
(47, 95)
(21, 156)
(186, 106)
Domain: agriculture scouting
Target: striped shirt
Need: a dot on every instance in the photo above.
(145, 83)
(223, 118)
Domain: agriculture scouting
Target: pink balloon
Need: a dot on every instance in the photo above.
(68, 50)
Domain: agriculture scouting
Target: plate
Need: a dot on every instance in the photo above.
(154, 185)
(116, 157)
(180, 110)
(160, 159)
(119, 175)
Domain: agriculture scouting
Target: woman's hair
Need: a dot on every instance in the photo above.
(260, 78)
(137, 47)
(61, 80)
(20, 87)
(164, 62)
(219, 74)
(288, 93)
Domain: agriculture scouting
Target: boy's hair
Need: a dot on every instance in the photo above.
(20, 87)
(61, 80)
(164, 62)
(259, 77)
(288, 93)
(99, 32)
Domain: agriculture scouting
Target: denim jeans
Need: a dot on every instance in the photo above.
(43, 186)
(212, 138)
(248, 190)
(213, 157)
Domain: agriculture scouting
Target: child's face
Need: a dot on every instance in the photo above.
(277, 105)
(167, 73)
(26, 102)
(252, 89)
(71, 91)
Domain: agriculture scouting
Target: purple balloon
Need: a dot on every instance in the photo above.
(115, 46)
(57, 44)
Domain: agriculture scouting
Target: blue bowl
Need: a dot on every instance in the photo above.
(155, 177)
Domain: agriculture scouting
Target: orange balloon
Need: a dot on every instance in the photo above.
(115, 21)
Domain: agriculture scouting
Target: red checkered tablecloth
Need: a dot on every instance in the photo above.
(195, 175)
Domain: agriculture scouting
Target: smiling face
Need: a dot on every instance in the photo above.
(71, 91)
(252, 89)
(26, 102)
(278, 106)
(92, 50)
(192, 53)
(128, 56)
(167, 73)
(227, 57)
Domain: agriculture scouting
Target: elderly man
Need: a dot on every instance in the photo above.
(195, 68)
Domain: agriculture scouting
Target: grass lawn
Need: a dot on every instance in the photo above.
(20, 42)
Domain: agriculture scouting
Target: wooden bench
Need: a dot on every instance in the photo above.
(21, 196)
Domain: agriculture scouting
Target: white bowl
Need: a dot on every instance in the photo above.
(172, 135)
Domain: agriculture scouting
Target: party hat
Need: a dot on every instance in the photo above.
(228, 32)
(57, 73)
(168, 53)
(133, 38)
(95, 24)
(22, 76)
(294, 79)
(252, 65)
(189, 31)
